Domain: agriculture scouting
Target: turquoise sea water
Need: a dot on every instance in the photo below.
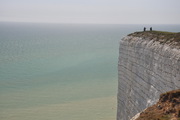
(61, 71)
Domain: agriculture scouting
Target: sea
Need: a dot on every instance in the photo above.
(54, 71)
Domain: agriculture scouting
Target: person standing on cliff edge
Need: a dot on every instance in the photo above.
(144, 28)
(150, 28)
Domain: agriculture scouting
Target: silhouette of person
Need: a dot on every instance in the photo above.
(150, 28)
(144, 29)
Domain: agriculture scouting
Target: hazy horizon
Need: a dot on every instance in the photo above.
(25, 22)
(91, 12)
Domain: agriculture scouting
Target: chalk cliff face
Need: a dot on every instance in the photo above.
(146, 69)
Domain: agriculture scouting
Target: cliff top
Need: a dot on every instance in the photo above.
(167, 108)
(169, 38)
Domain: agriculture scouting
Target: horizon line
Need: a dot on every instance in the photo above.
(91, 23)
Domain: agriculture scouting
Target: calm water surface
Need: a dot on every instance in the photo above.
(61, 71)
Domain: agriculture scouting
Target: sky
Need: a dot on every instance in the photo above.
(91, 11)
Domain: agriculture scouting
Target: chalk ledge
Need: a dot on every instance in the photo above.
(170, 38)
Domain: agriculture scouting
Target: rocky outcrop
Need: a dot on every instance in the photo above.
(167, 108)
(149, 64)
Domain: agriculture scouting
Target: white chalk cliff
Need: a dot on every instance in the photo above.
(146, 68)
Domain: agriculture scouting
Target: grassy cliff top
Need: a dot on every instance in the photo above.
(161, 36)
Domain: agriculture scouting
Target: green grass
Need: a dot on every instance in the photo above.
(162, 36)
(165, 117)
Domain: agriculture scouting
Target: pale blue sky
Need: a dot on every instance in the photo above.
(92, 11)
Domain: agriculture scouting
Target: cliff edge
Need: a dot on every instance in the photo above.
(169, 38)
(149, 65)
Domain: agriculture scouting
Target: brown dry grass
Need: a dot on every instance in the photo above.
(168, 108)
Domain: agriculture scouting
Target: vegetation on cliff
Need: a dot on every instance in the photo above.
(167, 108)
(170, 38)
